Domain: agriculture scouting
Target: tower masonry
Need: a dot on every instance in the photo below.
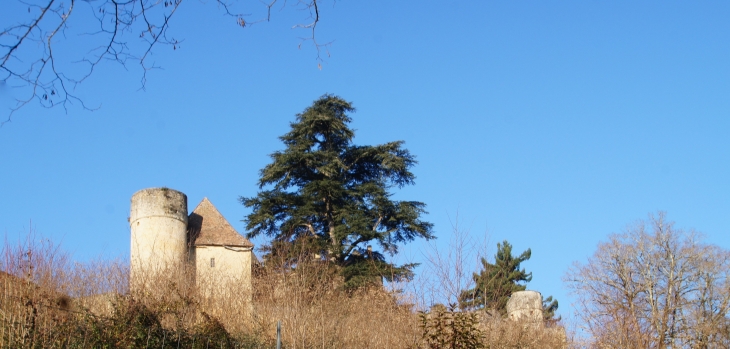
(526, 306)
(158, 221)
(168, 245)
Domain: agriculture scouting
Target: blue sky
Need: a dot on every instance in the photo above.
(548, 124)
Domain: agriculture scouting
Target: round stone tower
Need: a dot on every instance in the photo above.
(158, 220)
(525, 306)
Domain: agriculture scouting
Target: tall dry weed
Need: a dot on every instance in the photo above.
(48, 301)
(318, 312)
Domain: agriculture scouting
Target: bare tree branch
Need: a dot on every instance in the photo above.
(128, 31)
(654, 286)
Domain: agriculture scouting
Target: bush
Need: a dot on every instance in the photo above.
(450, 329)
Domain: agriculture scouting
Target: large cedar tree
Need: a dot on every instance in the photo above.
(323, 198)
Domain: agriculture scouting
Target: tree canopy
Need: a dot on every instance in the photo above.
(496, 282)
(333, 197)
(654, 286)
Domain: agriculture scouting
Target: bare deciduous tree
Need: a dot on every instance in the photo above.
(654, 286)
(447, 272)
(120, 31)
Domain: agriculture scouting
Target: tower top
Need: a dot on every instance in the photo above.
(159, 202)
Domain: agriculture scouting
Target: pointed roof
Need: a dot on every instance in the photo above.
(206, 227)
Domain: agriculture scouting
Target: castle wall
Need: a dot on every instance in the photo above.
(223, 271)
(171, 249)
(526, 306)
(158, 222)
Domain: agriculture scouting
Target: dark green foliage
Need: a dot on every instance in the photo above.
(210, 330)
(549, 307)
(450, 329)
(321, 187)
(496, 282)
(134, 323)
(360, 271)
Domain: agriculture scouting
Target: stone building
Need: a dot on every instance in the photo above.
(219, 253)
(201, 247)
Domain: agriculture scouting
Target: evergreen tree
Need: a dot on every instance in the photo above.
(496, 282)
(549, 307)
(328, 199)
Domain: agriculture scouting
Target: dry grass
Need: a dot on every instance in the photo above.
(500, 334)
(47, 301)
(317, 313)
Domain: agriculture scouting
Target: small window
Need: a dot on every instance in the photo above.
(212, 262)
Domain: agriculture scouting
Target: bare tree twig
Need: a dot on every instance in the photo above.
(654, 286)
(128, 31)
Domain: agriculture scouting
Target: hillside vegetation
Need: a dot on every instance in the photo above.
(47, 301)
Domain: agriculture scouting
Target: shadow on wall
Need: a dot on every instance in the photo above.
(195, 221)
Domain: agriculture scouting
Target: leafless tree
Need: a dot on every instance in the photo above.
(447, 272)
(654, 286)
(121, 31)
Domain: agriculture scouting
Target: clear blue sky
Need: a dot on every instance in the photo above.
(548, 124)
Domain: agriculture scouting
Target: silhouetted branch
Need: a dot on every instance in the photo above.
(128, 31)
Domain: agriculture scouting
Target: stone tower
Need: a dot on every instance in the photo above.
(526, 306)
(158, 221)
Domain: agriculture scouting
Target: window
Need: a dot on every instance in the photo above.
(212, 262)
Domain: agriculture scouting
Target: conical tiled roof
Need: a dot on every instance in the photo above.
(206, 226)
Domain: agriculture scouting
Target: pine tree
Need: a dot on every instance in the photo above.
(549, 307)
(328, 199)
(496, 282)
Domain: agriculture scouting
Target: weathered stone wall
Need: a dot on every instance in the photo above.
(158, 221)
(525, 306)
(216, 265)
